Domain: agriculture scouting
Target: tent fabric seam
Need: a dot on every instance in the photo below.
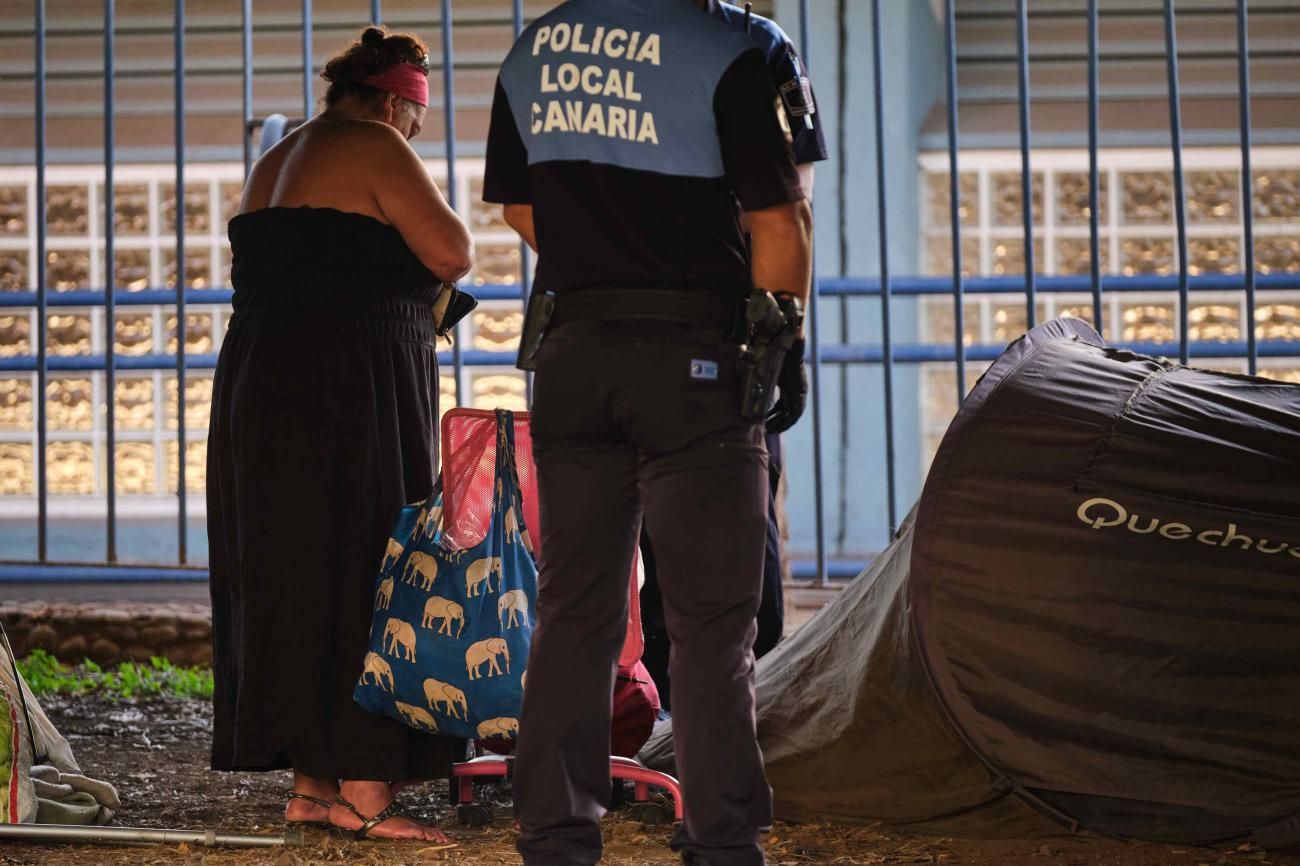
(1103, 444)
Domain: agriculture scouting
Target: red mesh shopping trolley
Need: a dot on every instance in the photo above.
(469, 441)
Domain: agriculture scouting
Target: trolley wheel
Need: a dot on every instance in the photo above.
(651, 814)
(473, 814)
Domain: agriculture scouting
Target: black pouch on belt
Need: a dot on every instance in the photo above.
(541, 307)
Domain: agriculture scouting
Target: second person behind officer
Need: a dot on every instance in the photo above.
(626, 137)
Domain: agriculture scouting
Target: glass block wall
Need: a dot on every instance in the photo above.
(145, 258)
(1136, 215)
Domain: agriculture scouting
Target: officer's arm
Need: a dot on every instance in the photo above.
(505, 177)
(761, 170)
(806, 175)
(520, 218)
(781, 248)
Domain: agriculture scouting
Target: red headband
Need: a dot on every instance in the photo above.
(402, 79)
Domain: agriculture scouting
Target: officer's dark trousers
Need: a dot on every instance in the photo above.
(621, 430)
(771, 606)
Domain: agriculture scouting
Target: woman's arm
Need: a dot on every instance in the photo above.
(410, 201)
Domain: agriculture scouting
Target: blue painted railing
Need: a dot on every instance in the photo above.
(886, 287)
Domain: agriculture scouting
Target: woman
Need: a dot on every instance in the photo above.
(324, 423)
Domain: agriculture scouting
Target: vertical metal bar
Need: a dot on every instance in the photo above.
(805, 40)
(449, 124)
(1247, 180)
(247, 46)
(179, 92)
(110, 287)
(376, 15)
(525, 254)
(954, 202)
(306, 59)
(42, 373)
(886, 337)
(1026, 174)
(1180, 196)
(1094, 192)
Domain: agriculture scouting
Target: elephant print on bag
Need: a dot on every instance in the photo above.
(512, 524)
(401, 633)
(514, 602)
(507, 728)
(486, 651)
(416, 717)
(481, 571)
(439, 694)
(376, 667)
(423, 565)
(446, 610)
(391, 554)
(385, 595)
(425, 521)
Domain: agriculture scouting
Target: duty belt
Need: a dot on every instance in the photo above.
(707, 309)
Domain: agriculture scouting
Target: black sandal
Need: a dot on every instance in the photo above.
(294, 795)
(362, 833)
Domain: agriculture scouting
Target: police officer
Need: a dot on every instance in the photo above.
(802, 123)
(626, 137)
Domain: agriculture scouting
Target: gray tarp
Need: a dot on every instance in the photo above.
(1093, 619)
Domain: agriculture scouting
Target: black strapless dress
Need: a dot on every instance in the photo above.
(324, 423)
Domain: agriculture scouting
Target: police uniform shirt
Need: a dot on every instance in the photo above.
(798, 103)
(633, 128)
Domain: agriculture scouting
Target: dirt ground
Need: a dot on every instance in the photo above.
(156, 755)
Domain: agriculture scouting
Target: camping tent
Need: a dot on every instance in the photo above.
(1091, 620)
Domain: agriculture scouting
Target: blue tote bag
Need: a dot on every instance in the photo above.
(451, 628)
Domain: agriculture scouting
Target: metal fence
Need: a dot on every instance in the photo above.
(885, 287)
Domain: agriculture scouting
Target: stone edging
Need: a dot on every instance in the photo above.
(111, 633)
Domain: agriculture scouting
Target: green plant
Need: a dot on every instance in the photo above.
(160, 678)
(45, 674)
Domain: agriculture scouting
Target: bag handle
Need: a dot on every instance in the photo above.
(507, 470)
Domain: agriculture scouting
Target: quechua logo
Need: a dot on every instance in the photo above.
(1101, 513)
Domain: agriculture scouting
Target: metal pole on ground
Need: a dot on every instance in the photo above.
(136, 835)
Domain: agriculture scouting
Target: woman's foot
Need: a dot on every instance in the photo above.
(311, 800)
(360, 802)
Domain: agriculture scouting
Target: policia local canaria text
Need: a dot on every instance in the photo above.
(595, 118)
